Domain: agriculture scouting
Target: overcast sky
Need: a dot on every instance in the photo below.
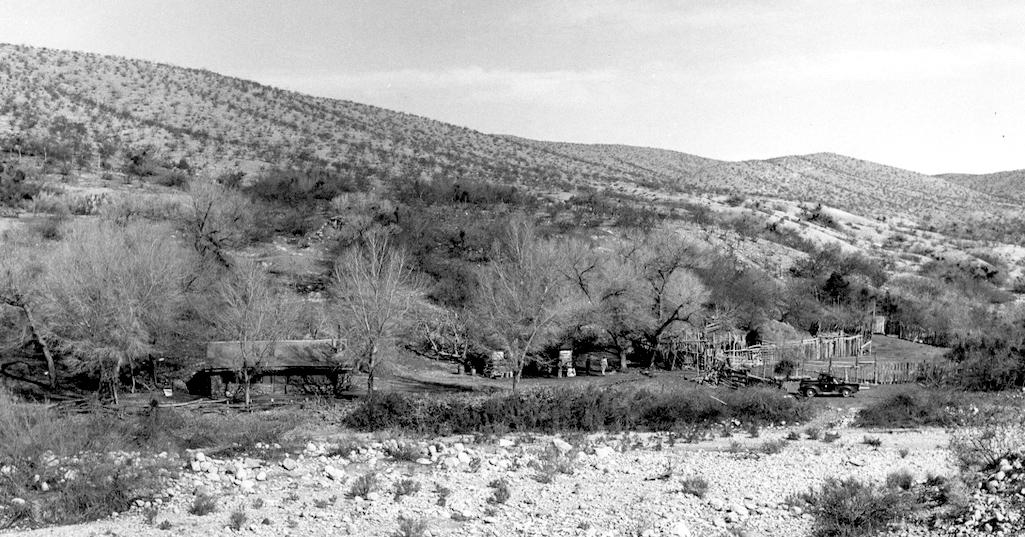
(931, 85)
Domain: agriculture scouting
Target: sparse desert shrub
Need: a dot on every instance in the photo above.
(237, 519)
(773, 447)
(695, 486)
(915, 408)
(443, 493)
(900, 480)
(851, 508)
(363, 485)
(404, 451)
(165, 525)
(830, 437)
(903, 452)
(983, 448)
(500, 492)
(872, 441)
(793, 435)
(203, 504)
(813, 433)
(406, 487)
(411, 527)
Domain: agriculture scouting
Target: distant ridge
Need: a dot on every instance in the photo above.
(219, 123)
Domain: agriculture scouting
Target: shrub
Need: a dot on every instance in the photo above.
(983, 448)
(849, 507)
(773, 447)
(406, 487)
(237, 519)
(916, 408)
(404, 451)
(695, 486)
(363, 485)
(411, 527)
(830, 437)
(500, 492)
(203, 504)
(587, 409)
(872, 441)
(443, 494)
(813, 433)
(793, 435)
(900, 480)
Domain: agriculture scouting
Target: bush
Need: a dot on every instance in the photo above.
(589, 409)
(203, 504)
(501, 492)
(363, 485)
(901, 480)
(237, 519)
(411, 527)
(406, 487)
(851, 508)
(695, 486)
(916, 408)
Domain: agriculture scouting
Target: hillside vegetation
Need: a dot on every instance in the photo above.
(149, 209)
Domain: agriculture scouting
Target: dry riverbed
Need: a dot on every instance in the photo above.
(596, 485)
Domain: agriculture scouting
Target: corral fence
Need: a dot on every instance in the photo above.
(845, 356)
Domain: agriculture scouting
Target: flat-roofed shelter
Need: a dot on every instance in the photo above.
(287, 366)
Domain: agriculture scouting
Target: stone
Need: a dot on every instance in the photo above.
(247, 485)
(18, 501)
(717, 504)
(261, 476)
(196, 466)
(373, 496)
(563, 446)
(604, 452)
(334, 473)
(506, 443)
(200, 456)
(680, 529)
(289, 464)
(424, 461)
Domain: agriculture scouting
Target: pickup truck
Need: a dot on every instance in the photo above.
(827, 384)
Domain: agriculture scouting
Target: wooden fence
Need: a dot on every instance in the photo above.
(846, 356)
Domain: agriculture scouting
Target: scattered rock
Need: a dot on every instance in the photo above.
(289, 464)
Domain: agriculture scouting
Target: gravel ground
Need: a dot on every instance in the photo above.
(625, 484)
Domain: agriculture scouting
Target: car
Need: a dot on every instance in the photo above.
(827, 384)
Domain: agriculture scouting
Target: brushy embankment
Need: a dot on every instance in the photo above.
(64, 469)
(919, 407)
(589, 409)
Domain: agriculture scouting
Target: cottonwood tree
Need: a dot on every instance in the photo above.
(524, 296)
(109, 292)
(641, 290)
(376, 297)
(255, 314)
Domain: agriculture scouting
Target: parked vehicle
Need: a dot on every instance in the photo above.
(827, 384)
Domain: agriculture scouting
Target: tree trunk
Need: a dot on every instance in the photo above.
(50, 366)
(371, 366)
(245, 387)
(622, 360)
(516, 377)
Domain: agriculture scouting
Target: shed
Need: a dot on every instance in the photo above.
(288, 366)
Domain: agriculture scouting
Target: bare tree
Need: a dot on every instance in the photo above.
(216, 219)
(523, 296)
(109, 291)
(376, 294)
(255, 314)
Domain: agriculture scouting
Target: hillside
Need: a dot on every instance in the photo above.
(104, 106)
(1009, 185)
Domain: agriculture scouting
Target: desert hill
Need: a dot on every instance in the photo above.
(102, 105)
(1009, 185)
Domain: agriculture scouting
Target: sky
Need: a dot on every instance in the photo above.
(929, 85)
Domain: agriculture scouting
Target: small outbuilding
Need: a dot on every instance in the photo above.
(300, 366)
